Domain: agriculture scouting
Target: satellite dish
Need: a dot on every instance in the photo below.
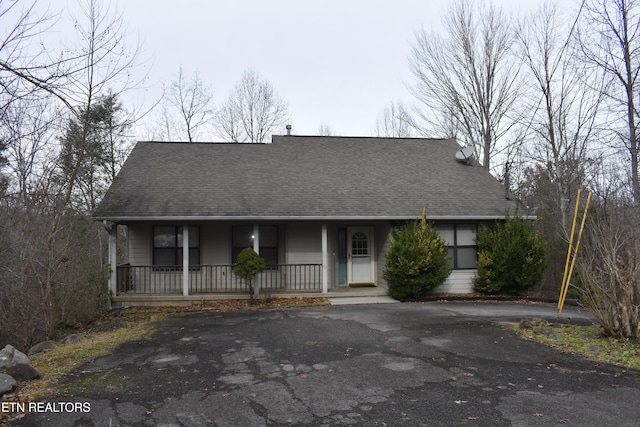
(464, 154)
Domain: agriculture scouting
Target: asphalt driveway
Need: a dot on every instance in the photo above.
(433, 364)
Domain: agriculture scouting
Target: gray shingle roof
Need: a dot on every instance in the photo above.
(303, 177)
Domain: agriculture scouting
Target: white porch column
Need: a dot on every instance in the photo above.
(185, 259)
(325, 259)
(256, 247)
(113, 258)
(256, 238)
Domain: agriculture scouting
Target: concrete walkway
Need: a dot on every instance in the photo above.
(362, 300)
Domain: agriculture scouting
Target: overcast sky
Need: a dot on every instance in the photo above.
(337, 62)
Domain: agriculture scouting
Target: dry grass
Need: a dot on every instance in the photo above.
(585, 341)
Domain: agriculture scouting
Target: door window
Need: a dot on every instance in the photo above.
(359, 244)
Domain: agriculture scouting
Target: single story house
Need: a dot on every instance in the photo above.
(318, 209)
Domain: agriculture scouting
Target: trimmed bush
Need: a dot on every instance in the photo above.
(248, 264)
(512, 257)
(417, 260)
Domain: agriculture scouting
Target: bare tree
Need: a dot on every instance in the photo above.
(164, 127)
(324, 130)
(229, 122)
(52, 241)
(32, 81)
(104, 61)
(395, 122)
(609, 268)
(193, 100)
(4, 181)
(28, 128)
(467, 74)
(563, 97)
(76, 77)
(25, 68)
(252, 112)
(609, 38)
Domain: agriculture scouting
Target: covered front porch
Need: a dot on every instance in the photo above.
(217, 279)
(303, 258)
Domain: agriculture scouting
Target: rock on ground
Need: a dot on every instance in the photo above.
(42, 346)
(70, 339)
(9, 356)
(7, 384)
(22, 372)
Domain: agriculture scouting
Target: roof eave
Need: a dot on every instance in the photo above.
(302, 218)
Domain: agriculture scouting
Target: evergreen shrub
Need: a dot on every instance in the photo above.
(512, 257)
(417, 260)
(248, 264)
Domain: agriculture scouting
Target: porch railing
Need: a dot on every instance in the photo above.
(212, 279)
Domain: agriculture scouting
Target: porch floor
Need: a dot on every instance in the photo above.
(123, 300)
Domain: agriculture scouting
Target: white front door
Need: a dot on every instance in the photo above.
(360, 254)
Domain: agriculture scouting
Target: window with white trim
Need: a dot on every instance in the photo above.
(460, 239)
(167, 245)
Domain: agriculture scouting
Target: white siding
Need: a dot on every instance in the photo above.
(304, 244)
(459, 282)
(140, 244)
